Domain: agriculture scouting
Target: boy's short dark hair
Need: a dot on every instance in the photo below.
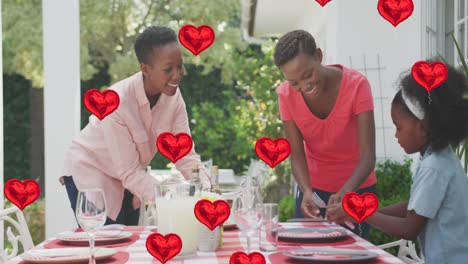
(152, 37)
(447, 114)
(291, 44)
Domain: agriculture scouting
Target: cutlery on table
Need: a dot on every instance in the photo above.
(320, 203)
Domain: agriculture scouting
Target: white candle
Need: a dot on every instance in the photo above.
(176, 216)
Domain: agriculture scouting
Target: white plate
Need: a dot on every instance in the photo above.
(65, 255)
(334, 255)
(311, 234)
(102, 236)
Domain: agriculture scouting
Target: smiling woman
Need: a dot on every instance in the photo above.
(327, 113)
(112, 154)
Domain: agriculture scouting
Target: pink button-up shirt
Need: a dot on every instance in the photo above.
(112, 154)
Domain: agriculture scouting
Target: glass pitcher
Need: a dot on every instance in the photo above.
(174, 211)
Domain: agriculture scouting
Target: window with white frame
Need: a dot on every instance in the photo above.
(434, 28)
(460, 27)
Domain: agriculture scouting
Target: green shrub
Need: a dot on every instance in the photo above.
(286, 208)
(393, 186)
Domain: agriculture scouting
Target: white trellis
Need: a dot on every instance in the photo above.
(381, 97)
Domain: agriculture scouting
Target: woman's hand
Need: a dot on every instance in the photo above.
(136, 202)
(335, 198)
(335, 212)
(308, 207)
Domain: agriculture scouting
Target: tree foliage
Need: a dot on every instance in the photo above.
(229, 88)
(22, 39)
(108, 29)
(16, 122)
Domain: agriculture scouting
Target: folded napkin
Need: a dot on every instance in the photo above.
(169, 178)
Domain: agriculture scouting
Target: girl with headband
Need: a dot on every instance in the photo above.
(437, 211)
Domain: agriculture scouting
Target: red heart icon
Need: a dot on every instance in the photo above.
(212, 214)
(174, 147)
(242, 258)
(196, 39)
(272, 152)
(101, 104)
(428, 75)
(164, 248)
(360, 207)
(395, 11)
(322, 2)
(23, 193)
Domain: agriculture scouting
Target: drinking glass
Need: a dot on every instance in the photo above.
(268, 235)
(91, 214)
(245, 211)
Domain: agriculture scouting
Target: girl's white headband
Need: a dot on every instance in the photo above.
(413, 105)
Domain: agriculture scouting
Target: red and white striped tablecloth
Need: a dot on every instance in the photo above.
(234, 241)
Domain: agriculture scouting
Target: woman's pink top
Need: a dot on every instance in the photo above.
(330, 144)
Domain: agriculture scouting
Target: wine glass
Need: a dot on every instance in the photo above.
(245, 211)
(91, 214)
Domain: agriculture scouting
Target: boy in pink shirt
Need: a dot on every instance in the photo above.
(112, 154)
(327, 113)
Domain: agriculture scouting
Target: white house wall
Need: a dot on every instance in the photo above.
(274, 17)
(365, 41)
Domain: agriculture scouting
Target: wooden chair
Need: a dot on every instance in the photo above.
(21, 228)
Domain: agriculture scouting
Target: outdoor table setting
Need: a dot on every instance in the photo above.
(192, 225)
(292, 246)
(190, 229)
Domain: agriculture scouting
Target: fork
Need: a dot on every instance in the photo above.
(318, 201)
(321, 204)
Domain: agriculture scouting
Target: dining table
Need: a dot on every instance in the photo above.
(133, 250)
